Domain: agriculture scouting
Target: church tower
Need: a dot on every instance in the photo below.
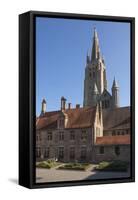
(95, 74)
(115, 94)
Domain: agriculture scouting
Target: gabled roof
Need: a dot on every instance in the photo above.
(113, 140)
(105, 92)
(118, 118)
(77, 118)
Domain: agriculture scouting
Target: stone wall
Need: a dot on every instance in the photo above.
(110, 154)
(55, 143)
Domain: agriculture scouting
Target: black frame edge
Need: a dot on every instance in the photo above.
(24, 96)
(133, 98)
(87, 16)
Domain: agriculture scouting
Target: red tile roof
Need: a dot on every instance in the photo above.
(110, 140)
(118, 118)
(77, 118)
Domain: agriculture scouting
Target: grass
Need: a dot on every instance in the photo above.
(75, 166)
(47, 164)
(116, 166)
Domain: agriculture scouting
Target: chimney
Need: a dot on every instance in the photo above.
(63, 103)
(43, 108)
(77, 105)
(69, 106)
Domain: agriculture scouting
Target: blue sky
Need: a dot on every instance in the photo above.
(61, 48)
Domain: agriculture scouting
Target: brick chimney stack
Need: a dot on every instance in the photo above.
(77, 105)
(63, 103)
(69, 106)
(43, 108)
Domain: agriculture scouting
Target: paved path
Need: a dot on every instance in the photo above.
(53, 175)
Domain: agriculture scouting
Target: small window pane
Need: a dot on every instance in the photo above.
(101, 150)
(117, 150)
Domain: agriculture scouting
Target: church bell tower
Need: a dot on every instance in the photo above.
(95, 74)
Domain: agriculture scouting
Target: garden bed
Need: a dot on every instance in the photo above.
(47, 164)
(115, 166)
(75, 166)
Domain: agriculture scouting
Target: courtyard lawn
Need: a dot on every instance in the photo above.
(115, 166)
(47, 164)
(75, 166)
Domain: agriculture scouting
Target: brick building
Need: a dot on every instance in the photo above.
(68, 134)
(83, 134)
(110, 148)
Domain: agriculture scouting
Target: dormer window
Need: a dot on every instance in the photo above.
(62, 120)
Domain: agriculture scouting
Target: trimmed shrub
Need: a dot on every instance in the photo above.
(43, 164)
(47, 164)
(75, 166)
(113, 166)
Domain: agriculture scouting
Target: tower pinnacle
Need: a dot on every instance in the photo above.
(95, 48)
(115, 94)
(115, 84)
(88, 59)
